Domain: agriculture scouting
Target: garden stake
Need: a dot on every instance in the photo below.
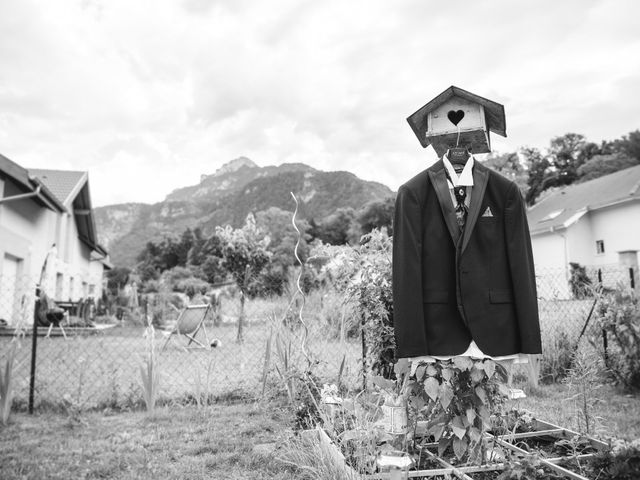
(34, 347)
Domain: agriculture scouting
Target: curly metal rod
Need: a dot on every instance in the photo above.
(295, 252)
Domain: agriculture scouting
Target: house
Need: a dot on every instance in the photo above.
(47, 237)
(595, 224)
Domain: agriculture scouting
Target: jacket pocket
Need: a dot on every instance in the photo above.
(500, 296)
(435, 296)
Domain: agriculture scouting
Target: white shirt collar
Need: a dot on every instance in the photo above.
(465, 179)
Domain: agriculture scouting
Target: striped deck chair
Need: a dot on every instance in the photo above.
(189, 323)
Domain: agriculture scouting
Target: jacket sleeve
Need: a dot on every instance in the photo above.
(408, 314)
(523, 278)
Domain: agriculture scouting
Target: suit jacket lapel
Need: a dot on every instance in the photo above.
(480, 178)
(439, 182)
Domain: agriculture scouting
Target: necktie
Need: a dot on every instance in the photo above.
(461, 208)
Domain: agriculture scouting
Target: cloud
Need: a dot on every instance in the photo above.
(170, 90)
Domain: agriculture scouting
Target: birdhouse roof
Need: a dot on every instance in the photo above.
(494, 113)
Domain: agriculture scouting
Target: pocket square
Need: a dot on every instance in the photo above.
(487, 212)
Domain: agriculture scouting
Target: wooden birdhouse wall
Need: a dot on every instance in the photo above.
(443, 133)
(438, 122)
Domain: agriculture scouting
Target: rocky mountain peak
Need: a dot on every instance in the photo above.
(234, 165)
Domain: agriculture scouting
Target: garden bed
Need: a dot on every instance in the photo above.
(552, 451)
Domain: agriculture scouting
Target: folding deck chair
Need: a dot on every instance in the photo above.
(189, 323)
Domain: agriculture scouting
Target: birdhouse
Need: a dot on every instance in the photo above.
(458, 118)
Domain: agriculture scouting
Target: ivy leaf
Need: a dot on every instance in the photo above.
(482, 395)
(458, 428)
(446, 395)
(431, 386)
(416, 402)
(477, 375)
(471, 415)
(432, 371)
(463, 363)
(401, 367)
(447, 373)
(443, 443)
(436, 431)
(383, 383)
(484, 414)
(504, 390)
(474, 434)
(420, 371)
(460, 447)
(489, 367)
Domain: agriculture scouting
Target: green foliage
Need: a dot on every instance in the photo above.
(6, 384)
(377, 214)
(363, 274)
(457, 398)
(339, 228)
(580, 283)
(557, 359)
(117, 278)
(600, 165)
(149, 372)
(510, 166)
(618, 316)
(526, 468)
(537, 166)
(621, 463)
(244, 251)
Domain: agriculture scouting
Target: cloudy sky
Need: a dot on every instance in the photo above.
(148, 95)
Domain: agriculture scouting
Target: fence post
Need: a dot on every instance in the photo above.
(34, 348)
(364, 353)
(632, 278)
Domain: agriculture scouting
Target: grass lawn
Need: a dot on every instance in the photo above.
(217, 442)
(214, 442)
(614, 414)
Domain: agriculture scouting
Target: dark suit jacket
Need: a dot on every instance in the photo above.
(450, 288)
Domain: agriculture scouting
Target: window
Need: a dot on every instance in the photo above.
(599, 247)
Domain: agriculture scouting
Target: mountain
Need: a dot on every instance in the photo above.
(227, 197)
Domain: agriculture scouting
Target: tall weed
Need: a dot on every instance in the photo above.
(6, 384)
(149, 371)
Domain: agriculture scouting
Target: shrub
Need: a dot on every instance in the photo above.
(618, 317)
(580, 282)
(557, 359)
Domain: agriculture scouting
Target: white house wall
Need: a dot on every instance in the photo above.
(581, 246)
(619, 227)
(27, 233)
(550, 264)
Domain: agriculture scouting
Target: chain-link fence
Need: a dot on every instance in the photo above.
(95, 362)
(93, 359)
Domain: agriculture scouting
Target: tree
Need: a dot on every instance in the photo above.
(601, 165)
(339, 228)
(377, 214)
(565, 156)
(244, 255)
(510, 166)
(117, 278)
(538, 169)
(629, 144)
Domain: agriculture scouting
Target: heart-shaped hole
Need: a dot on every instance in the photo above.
(455, 117)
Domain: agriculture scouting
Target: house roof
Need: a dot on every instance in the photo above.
(65, 184)
(72, 189)
(29, 184)
(564, 207)
(494, 113)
